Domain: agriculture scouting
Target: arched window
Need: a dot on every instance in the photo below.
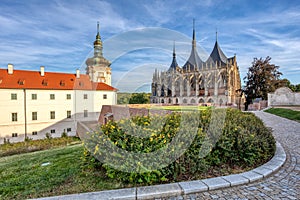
(210, 101)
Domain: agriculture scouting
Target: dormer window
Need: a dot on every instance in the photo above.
(45, 82)
(81, 84)
(62, 83)
(21, 81)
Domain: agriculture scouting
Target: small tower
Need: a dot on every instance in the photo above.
(98, 68)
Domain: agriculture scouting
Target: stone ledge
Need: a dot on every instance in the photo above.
(157, 191)
(124, 194)
(190, 187)
(236, 179)
(215, 183)
(252, 176)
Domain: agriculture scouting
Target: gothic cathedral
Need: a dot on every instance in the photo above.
(215, 81)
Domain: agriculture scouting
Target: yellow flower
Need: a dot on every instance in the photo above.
(151, 139)
(96, 149)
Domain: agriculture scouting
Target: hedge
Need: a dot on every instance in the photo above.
(178, 146)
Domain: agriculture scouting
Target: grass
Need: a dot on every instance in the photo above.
(286, 113)
(23, 176)
(8, 149)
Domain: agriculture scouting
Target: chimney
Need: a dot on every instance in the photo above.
(77, 73)
(42, 70)
(10, 68)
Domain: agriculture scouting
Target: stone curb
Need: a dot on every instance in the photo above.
(184, 188)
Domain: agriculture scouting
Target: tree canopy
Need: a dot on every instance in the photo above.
(294, 88)
(262, 78)
(133, 98)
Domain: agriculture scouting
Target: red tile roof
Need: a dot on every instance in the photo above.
(22, 79)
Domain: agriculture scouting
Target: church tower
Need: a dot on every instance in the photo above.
(98, 68)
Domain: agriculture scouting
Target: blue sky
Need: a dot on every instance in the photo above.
(138, 35)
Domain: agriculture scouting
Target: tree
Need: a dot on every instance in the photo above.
(133, 98)
(294, 88)
(139, 98)
(262, 78)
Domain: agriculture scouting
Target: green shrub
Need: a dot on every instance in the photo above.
(48, 135)
(240, 139)
(64, 134)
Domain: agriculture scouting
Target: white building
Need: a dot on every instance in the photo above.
(33, 103)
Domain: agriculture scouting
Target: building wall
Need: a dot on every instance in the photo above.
(215, 85)
(43, 105)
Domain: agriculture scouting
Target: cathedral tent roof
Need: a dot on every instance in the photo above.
(217, 55)
(194, 61)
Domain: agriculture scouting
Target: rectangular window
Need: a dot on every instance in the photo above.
(14, 134)
(52, 96)
(68, 96)
(52, 131)
(34, 96)
(85, 113)
(104, 96)
(85, 96)
(34, 132)
(14, 117)
(13, 96)
(52, 114)
(69, 114)
(69, 129)
(34, 115)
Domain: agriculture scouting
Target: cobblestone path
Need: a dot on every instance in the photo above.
(284, 184)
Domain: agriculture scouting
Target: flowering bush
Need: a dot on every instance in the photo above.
(202, 141)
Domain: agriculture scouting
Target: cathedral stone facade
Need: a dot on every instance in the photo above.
(213, 82)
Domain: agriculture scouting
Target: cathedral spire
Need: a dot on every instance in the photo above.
(174, 64)
(194, 61)
(174, 54)
(194, 35)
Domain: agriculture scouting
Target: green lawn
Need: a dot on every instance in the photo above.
(23, 176)
(286, 113)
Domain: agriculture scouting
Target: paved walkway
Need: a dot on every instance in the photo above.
(284, 184)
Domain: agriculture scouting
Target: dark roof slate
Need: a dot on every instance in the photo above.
(217, 55)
